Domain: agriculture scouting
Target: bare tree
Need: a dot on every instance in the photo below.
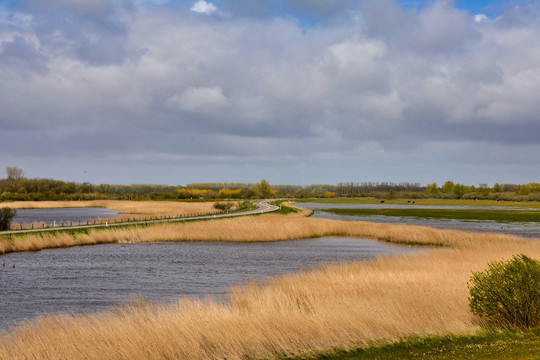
(14, 173)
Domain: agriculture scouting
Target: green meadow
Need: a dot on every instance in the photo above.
(484, 345)
(441, 202)
(520, 216)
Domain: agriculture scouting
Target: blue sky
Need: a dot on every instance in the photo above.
(473, 7)
(491, 8)
(311, 91)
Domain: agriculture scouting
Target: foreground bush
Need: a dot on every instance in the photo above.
(507, 294)
(6, 216)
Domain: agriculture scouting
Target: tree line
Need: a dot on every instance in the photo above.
(16, 187)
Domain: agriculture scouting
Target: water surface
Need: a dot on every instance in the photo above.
(526, 230)
(76, 215)
(92, 278)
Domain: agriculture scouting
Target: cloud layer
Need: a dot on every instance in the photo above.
(297, 92)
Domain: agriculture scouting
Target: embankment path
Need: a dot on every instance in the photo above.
(262, 207)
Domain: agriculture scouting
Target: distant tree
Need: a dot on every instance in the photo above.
(432, 189)
(14, 173)
(522, 190)
(496, 188)
(483, 189)
(448, 187)
(249, 194)
(86, 187)
(458, 190)
(6, 216)
(264, 189)
(509, 187)
(533, 187)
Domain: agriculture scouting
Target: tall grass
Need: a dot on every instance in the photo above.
(342, 305)
(269, 227)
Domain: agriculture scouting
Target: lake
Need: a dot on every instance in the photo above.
(28, 216)
(93, 278)
(526, 230)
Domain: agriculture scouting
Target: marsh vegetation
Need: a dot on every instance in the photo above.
(345, 306)
(520, 216)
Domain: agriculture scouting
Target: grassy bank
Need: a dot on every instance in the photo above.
(483, 345)
(493, 215)
(284, 209)
(337, 306)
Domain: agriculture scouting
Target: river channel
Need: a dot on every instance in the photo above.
(93, 278)
(525, 230)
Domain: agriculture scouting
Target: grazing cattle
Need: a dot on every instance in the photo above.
(382, 201)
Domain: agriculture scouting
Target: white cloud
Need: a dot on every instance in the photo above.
(480, 18)
(203, 7)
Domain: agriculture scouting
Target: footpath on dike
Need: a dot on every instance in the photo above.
(262, 207)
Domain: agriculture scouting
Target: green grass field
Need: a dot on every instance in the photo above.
(485, 345)
(470, 215)
(447, 202)
(283, 209)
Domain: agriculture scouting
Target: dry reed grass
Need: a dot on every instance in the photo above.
(278, 227)
(334, 306)
(269, 227)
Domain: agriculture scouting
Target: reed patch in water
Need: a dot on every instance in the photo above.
(270, 227)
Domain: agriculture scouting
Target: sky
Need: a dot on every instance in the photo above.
(292, 91)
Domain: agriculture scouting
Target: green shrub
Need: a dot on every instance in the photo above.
(507, 294)
(225, 206)
(6, 215)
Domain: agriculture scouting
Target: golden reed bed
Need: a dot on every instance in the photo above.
(334, 306)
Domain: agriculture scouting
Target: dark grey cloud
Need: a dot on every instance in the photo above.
(91, 31)
(120, 84)
(22, 56)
